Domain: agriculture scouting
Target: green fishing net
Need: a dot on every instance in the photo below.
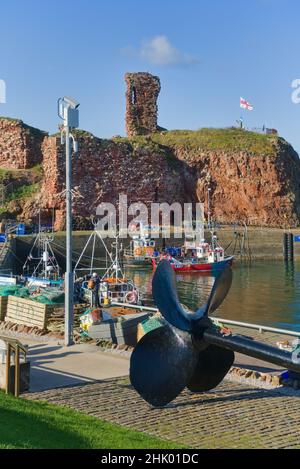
(49, 296)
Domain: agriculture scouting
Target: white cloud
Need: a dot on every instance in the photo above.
(159, 51)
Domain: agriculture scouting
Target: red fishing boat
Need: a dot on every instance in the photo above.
(199, 257)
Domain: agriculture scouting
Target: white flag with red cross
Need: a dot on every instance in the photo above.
(244, 104)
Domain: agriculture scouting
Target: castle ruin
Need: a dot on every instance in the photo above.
(141, 103)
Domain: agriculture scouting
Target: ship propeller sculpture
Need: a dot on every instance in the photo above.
(190, 351)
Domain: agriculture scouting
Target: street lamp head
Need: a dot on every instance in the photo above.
(71, 102)
(68, 111)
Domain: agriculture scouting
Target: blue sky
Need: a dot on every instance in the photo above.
(207, 54)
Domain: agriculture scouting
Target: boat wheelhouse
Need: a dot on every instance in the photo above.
(104, 285)
(142, 248)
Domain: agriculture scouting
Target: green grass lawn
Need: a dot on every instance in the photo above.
(230, 140)
(39, 425)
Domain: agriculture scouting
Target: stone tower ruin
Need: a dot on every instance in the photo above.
(141, 103)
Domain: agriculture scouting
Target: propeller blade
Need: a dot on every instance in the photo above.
(166, 299)
(212, 367)
(162, 364)
(218, 294)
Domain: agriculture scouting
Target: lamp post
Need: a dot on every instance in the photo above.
(208, 209)
(69, 113)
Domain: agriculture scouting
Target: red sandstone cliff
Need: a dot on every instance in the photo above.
(254, 178)
(256, 189)
(104, 169)
(20, 144)
(259, 189)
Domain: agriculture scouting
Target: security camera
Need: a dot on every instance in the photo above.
(71, 102)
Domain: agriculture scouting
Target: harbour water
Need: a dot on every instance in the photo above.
(264, 292)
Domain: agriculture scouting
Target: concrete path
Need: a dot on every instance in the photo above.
(53, 366)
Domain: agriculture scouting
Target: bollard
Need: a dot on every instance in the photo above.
(288, 247)
(285, 246)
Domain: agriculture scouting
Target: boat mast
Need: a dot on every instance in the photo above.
(117, 259)
(117, 266)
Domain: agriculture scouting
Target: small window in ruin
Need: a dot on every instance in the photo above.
(133, 95)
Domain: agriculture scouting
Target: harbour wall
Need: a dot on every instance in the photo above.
(261, 243)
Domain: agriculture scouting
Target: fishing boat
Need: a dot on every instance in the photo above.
(41, 268)
(41, 272)
(116, 311)
(142, 248)
(111, 289)
(103, 286)
(202, 257)
(197, 255)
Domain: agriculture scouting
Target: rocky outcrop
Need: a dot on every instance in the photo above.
(20, 144)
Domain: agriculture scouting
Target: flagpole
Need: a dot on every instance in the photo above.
(241, 116)
(244, 104)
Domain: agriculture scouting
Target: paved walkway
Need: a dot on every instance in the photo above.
(231, 416)
(53, 366)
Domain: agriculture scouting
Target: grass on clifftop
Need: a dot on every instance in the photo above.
(20, 193)
(231, 139)
(36, 171)
(39, 425)
(23, 192)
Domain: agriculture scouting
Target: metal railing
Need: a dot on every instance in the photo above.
(13, 346)
(257, 327)
(139, 307)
